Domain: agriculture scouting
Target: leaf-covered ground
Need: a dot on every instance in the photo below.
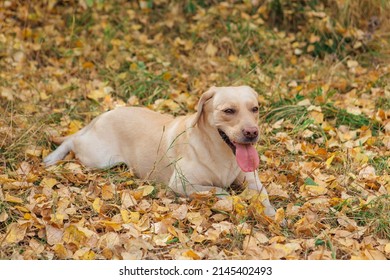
(320, 67)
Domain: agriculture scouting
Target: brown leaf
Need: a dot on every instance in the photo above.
(224, 205)
(15, 232)
(181, 212)
(53, 235)
(127, 199)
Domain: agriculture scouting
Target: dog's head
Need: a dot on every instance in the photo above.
(233, 112)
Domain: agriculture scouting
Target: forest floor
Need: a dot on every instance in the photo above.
(324, 150)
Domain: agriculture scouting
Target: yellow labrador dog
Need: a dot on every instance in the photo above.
(211, 149)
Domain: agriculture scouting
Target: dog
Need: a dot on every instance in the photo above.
(206, 151)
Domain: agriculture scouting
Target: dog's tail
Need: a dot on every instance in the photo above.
(65, 147)
(66, 144)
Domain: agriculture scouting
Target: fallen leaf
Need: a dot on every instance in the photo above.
(15, 233)
(224, 205)
(211, 50)
(13, 199)
(97, 205)
(48, 182)
(181, 212)
(74, 236)
(127, 199)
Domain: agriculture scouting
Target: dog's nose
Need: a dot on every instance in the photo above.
(250, 133)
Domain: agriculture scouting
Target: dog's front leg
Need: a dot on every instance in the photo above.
(183, 185)
(253, 182)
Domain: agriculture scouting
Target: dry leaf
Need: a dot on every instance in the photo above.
(15, 233)
(181, 212)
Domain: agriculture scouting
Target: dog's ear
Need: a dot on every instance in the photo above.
(205, 97)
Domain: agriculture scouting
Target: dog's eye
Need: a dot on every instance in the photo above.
(229, 111)
(255, 109)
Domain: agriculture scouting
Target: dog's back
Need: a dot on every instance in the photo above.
(104, 142)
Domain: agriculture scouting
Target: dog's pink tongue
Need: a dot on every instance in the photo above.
(247, 157)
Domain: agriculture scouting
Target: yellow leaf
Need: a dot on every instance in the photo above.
(60, 251)
(316, 190)
(279, 216)
(13, 199)
(97, 205)
(134, 217)
(57, 218)
(387, 249)
(256, 208)
(116, 226)
(73, 235)
(15, 233)
(27, 216)
(108, 192)
(48, 182)
(359, 156)
(329, 160)
(97, 94)
(133, 66)
(90, 255)
(22, 208)
(196, 237)
(167, 76)
(4, 179)
(191, 254)
(74, 126)
(125, 215)
(167, 104)
(239, 206)
(146, 190)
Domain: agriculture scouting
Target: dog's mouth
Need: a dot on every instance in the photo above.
(226, 139)
(246, 155)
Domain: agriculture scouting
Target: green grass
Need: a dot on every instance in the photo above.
(383, 103)
(342, 117)
(381, 164)
(375, 215)
(289, 110)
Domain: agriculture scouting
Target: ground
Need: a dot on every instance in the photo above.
(322, 73)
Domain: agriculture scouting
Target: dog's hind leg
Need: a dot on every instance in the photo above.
(60, 152)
